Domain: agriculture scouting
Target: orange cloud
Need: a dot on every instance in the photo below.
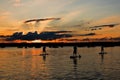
(17, 3)
(107, 20)
(7, 23)
(108, 32)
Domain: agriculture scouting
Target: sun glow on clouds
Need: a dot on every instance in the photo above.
(17, 3)
(7, 23)
(42, 26)
(17, 11)
(36, 41)
(108, 32)
(107, 20)
(35, 26)
(68, 18)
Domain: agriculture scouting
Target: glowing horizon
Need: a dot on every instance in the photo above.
(77, 16)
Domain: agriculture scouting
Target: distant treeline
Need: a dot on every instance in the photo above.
(80, 44)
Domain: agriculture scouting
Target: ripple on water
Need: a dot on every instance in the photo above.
(19, 64)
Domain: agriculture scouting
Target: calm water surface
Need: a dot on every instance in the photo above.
(26, 64)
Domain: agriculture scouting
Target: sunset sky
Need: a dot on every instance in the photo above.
(76, 15)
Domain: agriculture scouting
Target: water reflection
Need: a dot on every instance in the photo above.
(44, 58)
(102, 58)
(75, 71)
(102, 53)
(44, 53)
(75, 59)
(34, 67)
(75, 62)
(28, 65)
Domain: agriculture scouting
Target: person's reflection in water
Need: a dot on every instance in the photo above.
(75, 62)
(102, 53)
(102, 58)
(74, 72)
(44, 57)
(75, 67)
(44, 54)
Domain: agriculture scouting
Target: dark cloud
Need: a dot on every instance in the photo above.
(43, 35)
(88, 34)
(48, 35)
(102, 26)
(38, 20)
(3, 36)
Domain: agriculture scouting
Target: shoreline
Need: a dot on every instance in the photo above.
(78, 44)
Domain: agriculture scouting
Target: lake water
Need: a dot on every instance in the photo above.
(27, 64)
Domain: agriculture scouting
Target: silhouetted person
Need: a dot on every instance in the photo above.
(74, 51)
(102, 53)
(44, 49)
(102, 50)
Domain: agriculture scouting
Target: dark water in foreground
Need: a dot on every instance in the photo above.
(26, 64)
